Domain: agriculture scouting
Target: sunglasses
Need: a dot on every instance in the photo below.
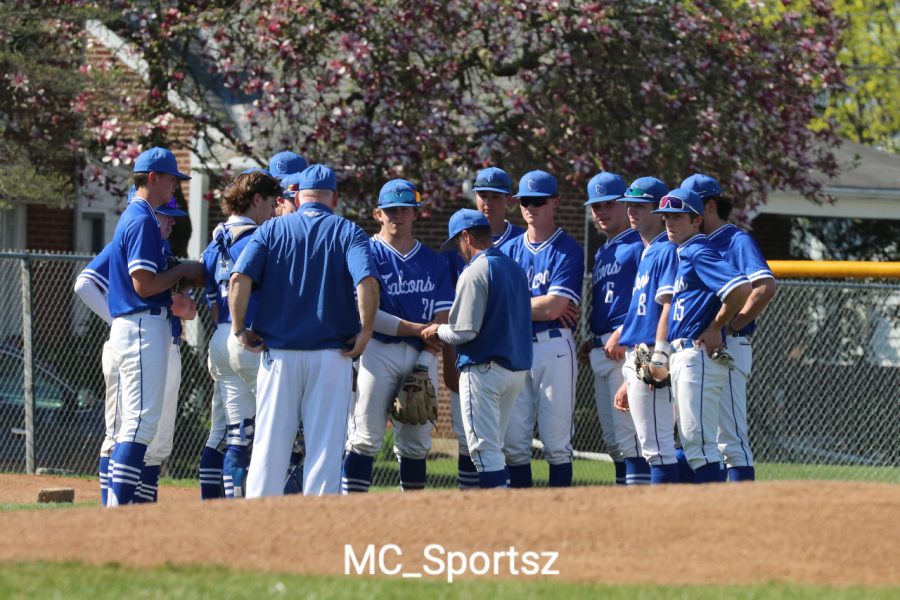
(676, 204)
(636, 192)
(535, 202)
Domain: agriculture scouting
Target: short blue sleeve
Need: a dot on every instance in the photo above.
(746, 257)
(359, 255)
(252, 261)
(143, 245)
(567, 278)
(716, 273)
(665, 270)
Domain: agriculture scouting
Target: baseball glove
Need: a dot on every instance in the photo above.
(643, 357)
(416, 403)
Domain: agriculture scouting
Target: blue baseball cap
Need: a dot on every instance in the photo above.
(681, 200)
(398, 192)
(492, 179)
(286, 163)
(158, 160)
(604, 187)
(317, 177)
(704, 185)
(289, 185)
(537, 184)
(464, 218)
(645, 190)
(171, 209)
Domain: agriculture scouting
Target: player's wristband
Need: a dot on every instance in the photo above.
(240, 331)
(663, 346)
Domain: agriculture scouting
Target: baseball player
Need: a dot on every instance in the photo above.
(415, 286)
(140, 303)
(646, 322)
(612, 280)
(92, 286)
(708, 294)
(249, 201)
(554, 265)
(492, 197)
(309, 327)
(282, 165)
(742, 253)
(490, 323)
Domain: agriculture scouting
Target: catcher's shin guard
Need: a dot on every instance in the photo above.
(234, 471)
(294, 482)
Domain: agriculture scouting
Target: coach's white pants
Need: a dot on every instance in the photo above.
(235, 370)
(734, 441)
(140, 349)
(487, 395)
(548, 394)
(617, 426)
(382, 369)
(697, 384)
(161, 446)
(653, 415)
(312, 386)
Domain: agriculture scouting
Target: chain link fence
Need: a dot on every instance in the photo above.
(824, 398)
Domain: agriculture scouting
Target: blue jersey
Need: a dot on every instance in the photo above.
(655, 278)
(97, 270)
(613, 279)
(456, 262)
(742, 253)
(503, 334)
(136, 245)
(702, 281)
(307, 265)
(554, 267)
(218, 260)
(414, 286)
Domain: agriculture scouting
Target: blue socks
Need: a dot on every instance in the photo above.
(148, 490)
(357, 475)
(493, 479)
(663, 474)
(561, 475)
(412, 474)
(520, 476)
(709, 473)
(128, 459)
(234, 470)
(637, 471)
(211, 474)
(685, 472)
(620, 472)
(742, 473)
(467, 475)
(103, 470)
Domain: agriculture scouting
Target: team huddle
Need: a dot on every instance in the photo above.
(323, 335)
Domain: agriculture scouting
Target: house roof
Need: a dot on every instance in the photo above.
(864, 168)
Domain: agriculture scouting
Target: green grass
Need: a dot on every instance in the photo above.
(774, 471)
(71, 580)
(10, 506)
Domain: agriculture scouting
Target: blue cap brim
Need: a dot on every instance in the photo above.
(608, 198)
(533, 195)
(448, 245)
(490, 189)
(171, 212)
(396, 204)
(674, 210)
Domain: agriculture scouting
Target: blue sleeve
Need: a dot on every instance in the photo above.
(716, 273)
(209, 258)
(143, 246)
(748, 259)
(446, 291)
(98, 269)
(665, 270)
(358, 253)
(252, 261)
(568, 274)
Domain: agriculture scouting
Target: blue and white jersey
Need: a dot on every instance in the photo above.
(97, 271)
(702, 281)
(456, 262)
(307, 265)
(554, 267)
(615, 265)
(218, 260)
(414, 286)
(743, 254)
(136, 245)
(655, 278)
(495, 286)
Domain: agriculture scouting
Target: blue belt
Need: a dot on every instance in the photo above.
(550, 333)
(156, 310)
(682, 344)
(598, 341)
(177, 341)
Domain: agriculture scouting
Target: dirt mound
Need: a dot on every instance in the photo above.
(809, 532)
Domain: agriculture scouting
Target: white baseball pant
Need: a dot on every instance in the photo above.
(617, 426)
(653, 414)
(161, 446)
(697, 384)
(235, 369)
(487, 395)
(734, 441)
(111, 412)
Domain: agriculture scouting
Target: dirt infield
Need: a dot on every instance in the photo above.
(829, 533)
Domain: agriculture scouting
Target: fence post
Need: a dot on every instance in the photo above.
(27, 364)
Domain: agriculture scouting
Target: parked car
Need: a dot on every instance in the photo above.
(68, 421)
